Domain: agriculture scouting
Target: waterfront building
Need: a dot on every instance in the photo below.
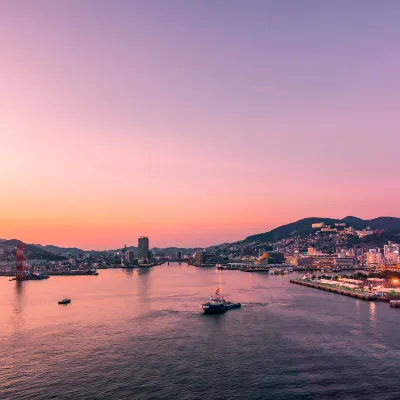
(391, 252)
(210, 258)
(344, 262)
(204, 257)
(298, 261)
(394, 257)
(263, 260)
(143, 247)
(198, 258)
(129, 257)
(374, 257)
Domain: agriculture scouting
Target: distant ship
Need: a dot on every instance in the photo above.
(65, 301)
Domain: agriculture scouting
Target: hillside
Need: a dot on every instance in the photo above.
(303, 227)
(60, 250)
(31, 251)
(386, 223)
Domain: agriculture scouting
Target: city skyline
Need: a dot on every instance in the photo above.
(143, 247)
(194, 127)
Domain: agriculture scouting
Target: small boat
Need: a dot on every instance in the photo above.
(394, 303)
(65, 300)
(274, 271)
(216, 305)
(280, 271)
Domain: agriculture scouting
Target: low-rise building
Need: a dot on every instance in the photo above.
(318, 225)
(343, 262)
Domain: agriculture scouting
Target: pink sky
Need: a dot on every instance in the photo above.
(194, 123)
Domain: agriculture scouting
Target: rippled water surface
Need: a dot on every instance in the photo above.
(141, 335)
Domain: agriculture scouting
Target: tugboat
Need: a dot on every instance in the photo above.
(65, 300)
(216, 305)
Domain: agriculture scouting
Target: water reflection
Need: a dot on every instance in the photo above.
(219, 277)
(143, 270)
(372, 311)
(143, 287)
(18, 305)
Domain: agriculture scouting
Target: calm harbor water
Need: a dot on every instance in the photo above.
(141, 335)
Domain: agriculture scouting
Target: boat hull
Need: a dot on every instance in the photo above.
(214, 310)
(231, 306)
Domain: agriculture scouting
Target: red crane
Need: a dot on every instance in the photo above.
(21, 271)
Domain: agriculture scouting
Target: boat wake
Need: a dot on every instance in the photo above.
(255, 304)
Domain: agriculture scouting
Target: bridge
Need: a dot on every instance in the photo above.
(168, 260)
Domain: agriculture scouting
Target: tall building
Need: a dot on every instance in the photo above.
(391, 251)
(143, 247)
(129, 257)
(199, 258)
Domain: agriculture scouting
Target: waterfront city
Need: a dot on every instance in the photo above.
(199, 200)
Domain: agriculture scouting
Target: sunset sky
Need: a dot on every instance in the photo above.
(194, 122)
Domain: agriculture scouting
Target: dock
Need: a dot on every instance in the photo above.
(72, 273)
(361, 296)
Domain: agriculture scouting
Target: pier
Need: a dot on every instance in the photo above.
(361, 296)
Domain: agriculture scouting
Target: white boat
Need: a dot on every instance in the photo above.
(272, 271)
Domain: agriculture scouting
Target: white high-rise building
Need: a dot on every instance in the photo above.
(374, 257)
(391, 252)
